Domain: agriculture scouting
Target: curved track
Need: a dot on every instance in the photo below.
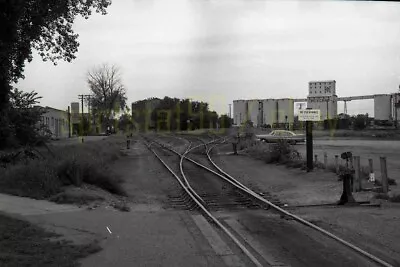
(234, 183)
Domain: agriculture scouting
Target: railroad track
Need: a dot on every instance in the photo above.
(232, 194)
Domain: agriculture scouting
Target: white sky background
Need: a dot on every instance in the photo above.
(221, 50)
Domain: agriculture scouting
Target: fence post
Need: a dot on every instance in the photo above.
(371, 170)
(325, 160)
(337, 164)
(357, 179)
(384, 179)
(351, 163)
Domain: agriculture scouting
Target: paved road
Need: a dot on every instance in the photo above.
(364, 148)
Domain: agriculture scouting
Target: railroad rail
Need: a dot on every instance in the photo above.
(224, 176)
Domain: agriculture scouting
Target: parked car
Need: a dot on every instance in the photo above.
(279, 135)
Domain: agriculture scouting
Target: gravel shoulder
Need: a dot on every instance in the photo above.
(375, 229)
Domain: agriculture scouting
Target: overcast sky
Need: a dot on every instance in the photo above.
(222, 50)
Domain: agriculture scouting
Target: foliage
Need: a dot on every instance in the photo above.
(360, 122)
(224, 121)
(125, 123)
(280, 152)
(172, 114)
(109, 94)
(21, 120)
(44, 177)
(44, 25)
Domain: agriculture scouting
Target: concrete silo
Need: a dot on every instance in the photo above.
(239, 111)
(285, 110)
(269, 111)
(382, 107)
(253, 111)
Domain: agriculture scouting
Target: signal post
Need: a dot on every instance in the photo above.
(309, 116)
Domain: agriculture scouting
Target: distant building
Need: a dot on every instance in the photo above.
(322, 88)
(322, 96)
(56, 121)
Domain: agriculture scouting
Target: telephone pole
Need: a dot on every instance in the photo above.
(82, 97)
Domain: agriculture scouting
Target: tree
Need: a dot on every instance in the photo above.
(125, 123)
(360, 122)
(22, 125)
(109, 94)
(45, 25)
(224, 121)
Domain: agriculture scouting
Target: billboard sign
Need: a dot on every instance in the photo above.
(310, 115)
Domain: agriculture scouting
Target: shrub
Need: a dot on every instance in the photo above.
(66, 165)
(391, 181)
(395, 198)
(280, 152)
(36, 179)
(384, 196)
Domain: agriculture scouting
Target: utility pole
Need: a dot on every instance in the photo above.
(69, 122)
(82, 97)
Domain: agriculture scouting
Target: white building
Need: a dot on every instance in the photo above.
(56, 121)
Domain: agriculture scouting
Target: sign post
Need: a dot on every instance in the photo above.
(309, 116)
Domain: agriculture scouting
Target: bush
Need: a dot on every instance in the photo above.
(395, 198)
(280, 152)
(360, 122)
(391, 181)
(384, 196)
(36, 179)
(67, 165)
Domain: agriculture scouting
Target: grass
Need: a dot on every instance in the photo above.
(23, 244)
(66, 165)
(367, 133)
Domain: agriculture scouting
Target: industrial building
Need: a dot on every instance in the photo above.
(321, 95)
(56, 121)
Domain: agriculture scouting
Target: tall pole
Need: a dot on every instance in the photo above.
(230, 112)
(82, 125)
(82, 97)
(309, 145)
(395, 105)
(69, 122)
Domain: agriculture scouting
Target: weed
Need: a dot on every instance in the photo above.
(395, 198)
(66, 165)
(391, 181)
(384, 196)
(35, 178)
(280, 152)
